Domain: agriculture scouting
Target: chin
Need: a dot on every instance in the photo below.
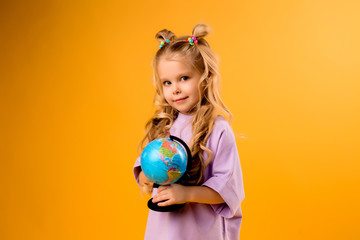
(182, 111)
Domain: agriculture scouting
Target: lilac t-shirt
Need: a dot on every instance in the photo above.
(223, 174)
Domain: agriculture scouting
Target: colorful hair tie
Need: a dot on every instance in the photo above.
(192, 40)
(162, 43)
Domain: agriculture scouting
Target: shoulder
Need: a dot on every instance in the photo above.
(221, 125)
(222, 130)
(222, 141)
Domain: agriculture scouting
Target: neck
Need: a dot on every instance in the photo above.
(182, 116)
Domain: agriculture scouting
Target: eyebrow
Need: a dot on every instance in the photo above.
(181, 74)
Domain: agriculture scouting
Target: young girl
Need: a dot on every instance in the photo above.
(189, 107)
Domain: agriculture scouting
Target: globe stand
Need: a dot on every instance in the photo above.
(174, 207)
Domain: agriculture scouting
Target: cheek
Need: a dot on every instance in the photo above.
(195, 92)
(166, 95)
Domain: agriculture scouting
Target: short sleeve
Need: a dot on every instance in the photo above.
(224, 171)
(137, 169)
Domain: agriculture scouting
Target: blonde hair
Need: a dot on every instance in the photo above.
(210, 105)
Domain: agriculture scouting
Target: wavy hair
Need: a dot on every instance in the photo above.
(210, 105)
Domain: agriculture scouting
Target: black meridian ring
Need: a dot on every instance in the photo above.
(188, 152)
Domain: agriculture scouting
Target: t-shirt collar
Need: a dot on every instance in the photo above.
(183, 117)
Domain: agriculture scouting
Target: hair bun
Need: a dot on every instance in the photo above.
(164, 34)
(201, 30)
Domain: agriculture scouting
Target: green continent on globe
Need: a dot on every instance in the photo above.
(166, 152)
(173, 175)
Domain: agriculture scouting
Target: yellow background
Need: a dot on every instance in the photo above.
(76, 92)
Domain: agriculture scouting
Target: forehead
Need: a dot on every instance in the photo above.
(172, 67)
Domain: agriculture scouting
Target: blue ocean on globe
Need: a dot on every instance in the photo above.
(163, 161)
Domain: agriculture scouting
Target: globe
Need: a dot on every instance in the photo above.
(163, 161)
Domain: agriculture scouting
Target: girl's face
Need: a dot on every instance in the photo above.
(180, 83)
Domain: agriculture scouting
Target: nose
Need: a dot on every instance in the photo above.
(176, 89)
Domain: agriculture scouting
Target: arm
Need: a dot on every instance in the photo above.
(145, 183)
(204, 194)
(177, 194)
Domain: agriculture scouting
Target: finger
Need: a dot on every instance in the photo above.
(165, 203)
(160, 197)
(157, 200)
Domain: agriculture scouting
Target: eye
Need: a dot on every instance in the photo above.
(184, 78)
(166, 83)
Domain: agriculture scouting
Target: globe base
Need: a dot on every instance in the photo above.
(170, 208)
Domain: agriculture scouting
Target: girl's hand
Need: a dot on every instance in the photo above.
(145, 183)
(171, 194)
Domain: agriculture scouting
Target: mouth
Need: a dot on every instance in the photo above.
(179, 100)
